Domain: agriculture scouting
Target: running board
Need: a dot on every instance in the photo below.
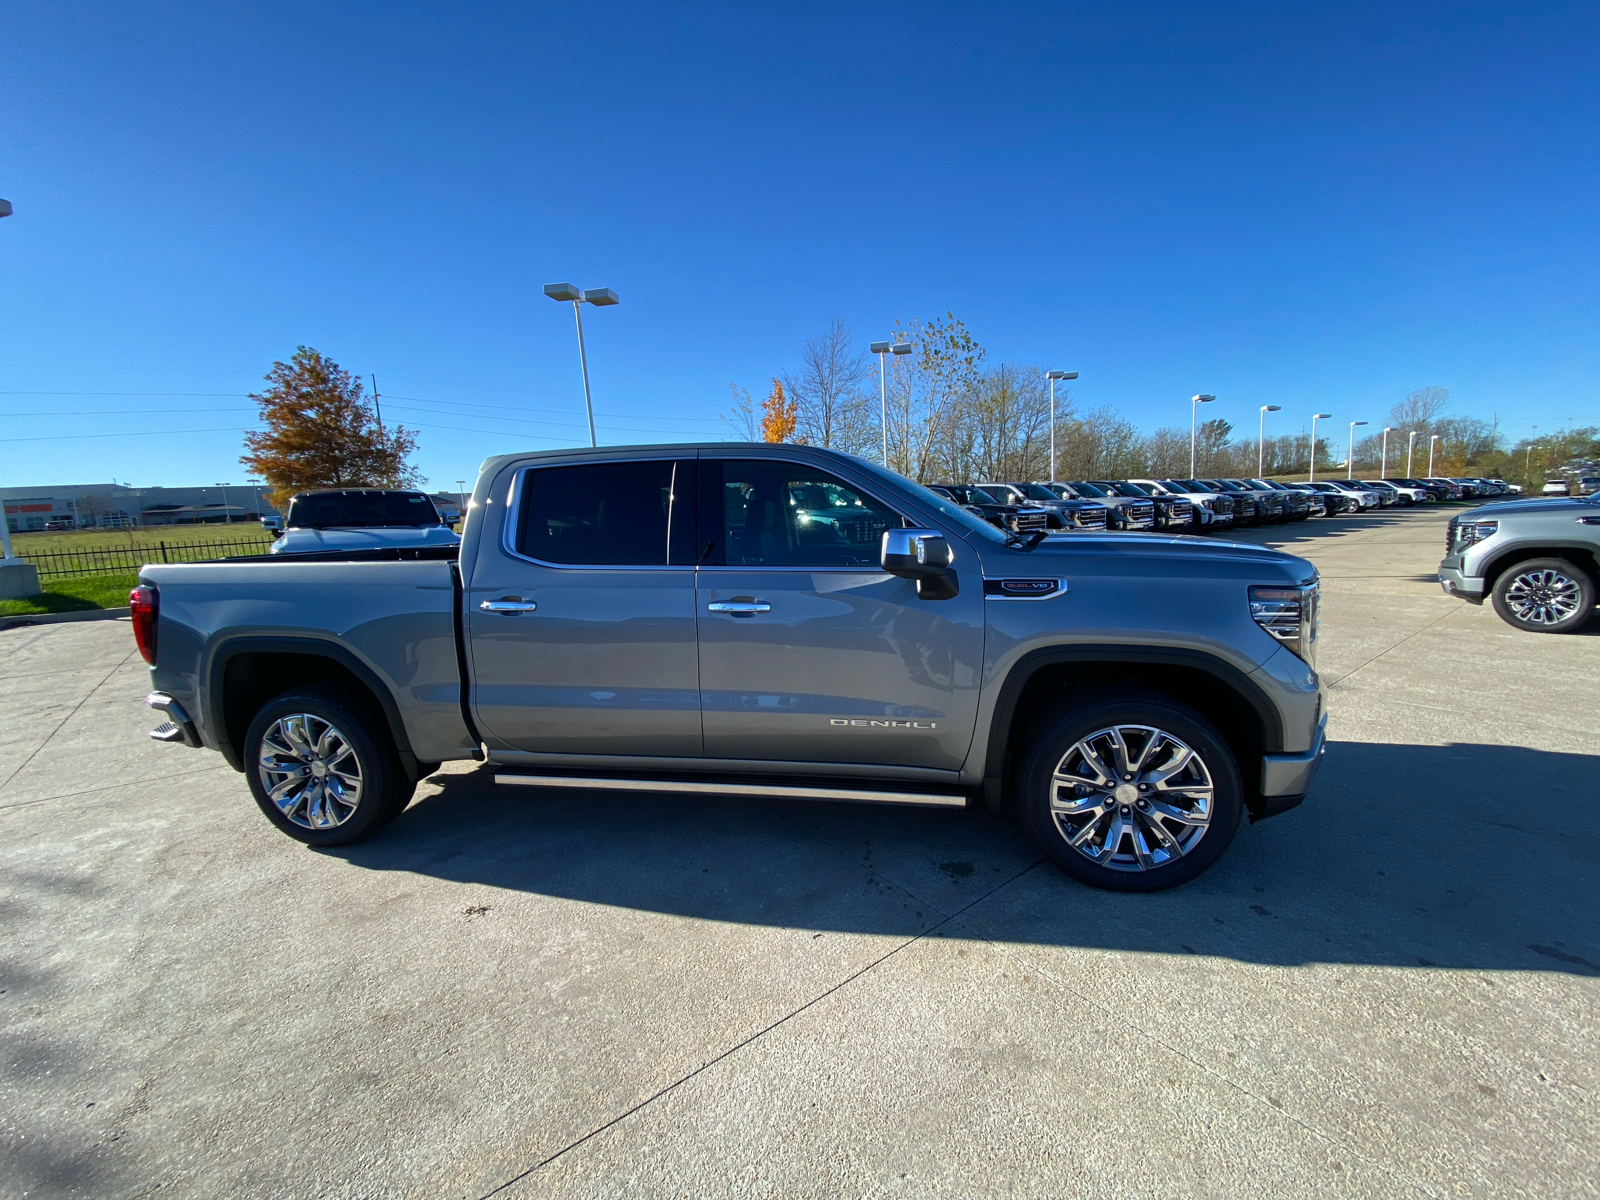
(712, 787)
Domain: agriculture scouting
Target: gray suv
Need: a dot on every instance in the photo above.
(759, 621)
(1538, 561)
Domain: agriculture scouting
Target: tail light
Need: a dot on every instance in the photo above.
(144, 605)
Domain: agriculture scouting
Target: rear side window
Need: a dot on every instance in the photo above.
(763, 513)
(622, 514)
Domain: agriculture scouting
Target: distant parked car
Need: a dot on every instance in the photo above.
(1061, 512)
(1335, 500)
(1556, 487)
(1210, 510)
(1172, 512)
(362, 519)
(1298, 504)
(1010, 517)
(1122, 512)
(56, 526)
(1589, 485)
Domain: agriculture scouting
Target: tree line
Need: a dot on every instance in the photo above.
(948, 415)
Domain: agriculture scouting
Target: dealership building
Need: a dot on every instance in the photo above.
(113, 505)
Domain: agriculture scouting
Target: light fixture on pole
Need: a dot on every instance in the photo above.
(461, 497)
(1052, 376)
(1261, 437)
(599, 297)
(1411, 445)
(880, 349)
(1527, 463)
(1383, 471)
(1350, 454)
(1431, 441)
(1315, 417)
(1194, 407)
(227, 516)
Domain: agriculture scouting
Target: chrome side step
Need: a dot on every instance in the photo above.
(711, 787)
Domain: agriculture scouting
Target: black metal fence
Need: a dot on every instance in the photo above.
(125, 560)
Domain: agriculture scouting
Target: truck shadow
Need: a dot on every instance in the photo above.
(1460, 856)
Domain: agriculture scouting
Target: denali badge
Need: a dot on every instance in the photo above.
(862, 722)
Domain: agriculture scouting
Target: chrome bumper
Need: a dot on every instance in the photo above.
(180, 728)
(1291, 774)
(1462, 587)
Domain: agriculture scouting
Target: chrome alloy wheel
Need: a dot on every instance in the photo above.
(1131, 798)
(1543, 597)
(310, 771)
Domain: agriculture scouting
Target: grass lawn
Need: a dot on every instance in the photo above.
(151, 538)
(74, 595)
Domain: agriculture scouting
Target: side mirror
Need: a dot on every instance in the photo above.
(923, 555)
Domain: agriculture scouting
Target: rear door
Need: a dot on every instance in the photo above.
(809, 652)
(581, 623)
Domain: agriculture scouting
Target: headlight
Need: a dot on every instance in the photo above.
(1469, 532)
(1290, 615)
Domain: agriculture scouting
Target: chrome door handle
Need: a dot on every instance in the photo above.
(508, 607)
(742, 608)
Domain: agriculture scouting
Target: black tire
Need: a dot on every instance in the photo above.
(1131, 865)
(360, 733)
(1544, 595)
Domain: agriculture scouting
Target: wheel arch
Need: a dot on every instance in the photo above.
(1579, 554)
(246, 672)
(1238, 706)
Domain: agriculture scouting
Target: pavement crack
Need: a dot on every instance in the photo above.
(60, 725)
(1333, 683)
(1329, 1139)
(758, 1034)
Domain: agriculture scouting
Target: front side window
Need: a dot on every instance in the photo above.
(777, 514)
(623, 514)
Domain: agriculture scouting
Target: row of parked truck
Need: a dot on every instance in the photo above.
(1194, 505)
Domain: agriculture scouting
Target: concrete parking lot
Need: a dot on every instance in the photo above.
(1392, 990)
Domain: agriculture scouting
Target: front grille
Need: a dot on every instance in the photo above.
(1090, 518)
(1029, 519)
(1450, 536)
(1225, 504)
(1181, 510)
(1143, 511)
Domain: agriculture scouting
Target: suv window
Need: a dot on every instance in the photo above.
(777, 514)
(617, 514)
(361, 510)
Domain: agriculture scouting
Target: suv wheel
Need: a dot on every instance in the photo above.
(1133, 793)
(322, 766)
(1544, 595)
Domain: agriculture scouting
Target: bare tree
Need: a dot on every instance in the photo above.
(1420, 409)
(829, 392)
(743, 417)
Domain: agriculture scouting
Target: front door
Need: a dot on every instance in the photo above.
(582, 629)
(808, 651)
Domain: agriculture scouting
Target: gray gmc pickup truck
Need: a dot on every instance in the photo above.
(766, 621)
(1536, 560)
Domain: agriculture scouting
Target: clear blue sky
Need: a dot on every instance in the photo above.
(1315, 206)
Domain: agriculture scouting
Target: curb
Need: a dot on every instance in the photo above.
(93, 614)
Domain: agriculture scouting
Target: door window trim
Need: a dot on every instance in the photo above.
(517, 495)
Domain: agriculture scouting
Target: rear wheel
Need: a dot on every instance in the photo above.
(1545, 595)
(322, 766)
(1133, 793)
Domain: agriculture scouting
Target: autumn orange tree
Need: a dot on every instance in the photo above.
(778, 415)
(322, 432)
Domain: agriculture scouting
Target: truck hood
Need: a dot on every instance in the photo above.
(1144, 554)
(297, 541)
(1507, 508)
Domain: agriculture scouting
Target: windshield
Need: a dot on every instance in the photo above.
(1189, 485)
(361, 510)
(1128, 489)
(1036, 491)
(1062, 491)
(1087, 489)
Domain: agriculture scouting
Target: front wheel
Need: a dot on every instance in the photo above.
(1544, 595)
(322, 766)
(1132, 793)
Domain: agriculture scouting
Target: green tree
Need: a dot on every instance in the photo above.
(322, 432)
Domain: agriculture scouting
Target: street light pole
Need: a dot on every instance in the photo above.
(1261, 438)
(5, 522)
(1411, 445)
(1431, 442)
(227, 517)
(599, 297)
(1194, 407)
(1350, 454)
(1383, 471)
(1052, 376)
(880, 349)
(1315, 417)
